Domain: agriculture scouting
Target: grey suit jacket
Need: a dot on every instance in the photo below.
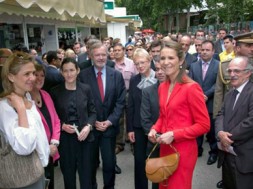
(208, 84)
(239, 123)
(149, 107)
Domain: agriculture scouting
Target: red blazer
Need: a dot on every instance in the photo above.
(185, 114)
(56, 124)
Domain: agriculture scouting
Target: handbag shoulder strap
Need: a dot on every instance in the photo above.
(153, 149)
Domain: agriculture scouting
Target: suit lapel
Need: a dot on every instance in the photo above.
(109, 80)
(199, 70)
(174, 92)
(209, 70)
(240, 100)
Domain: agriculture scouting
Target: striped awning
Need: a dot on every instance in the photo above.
(75, 10)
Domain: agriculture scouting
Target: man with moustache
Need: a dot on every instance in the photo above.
(234, 127)
(243, 47)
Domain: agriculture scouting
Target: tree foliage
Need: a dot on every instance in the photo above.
(222, 11)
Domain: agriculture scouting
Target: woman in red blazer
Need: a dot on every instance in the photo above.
(183, 116)
(50, 120)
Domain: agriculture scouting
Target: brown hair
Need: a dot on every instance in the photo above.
(182, 76)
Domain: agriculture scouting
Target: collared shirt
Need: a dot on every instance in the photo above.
(222, 44)
(128, 70)
(224, 56)
(239, 89)
(103, 76)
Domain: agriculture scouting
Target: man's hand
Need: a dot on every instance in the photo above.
(225, 140)
(102, 126)
(131, 137)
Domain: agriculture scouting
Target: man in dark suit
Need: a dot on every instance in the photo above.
(155, 49)
(219, 44)
(205, 73)
(234, 128)
(189, 58)
(53, 75)
(109, 92)
(197, 42)
(150, 109)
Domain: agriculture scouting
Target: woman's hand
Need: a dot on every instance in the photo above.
(53, 150)
(152, 136)
(84, 133)
(17, 102)
(166, 138)
(68, 128)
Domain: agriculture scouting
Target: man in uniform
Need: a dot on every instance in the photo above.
(244, 47)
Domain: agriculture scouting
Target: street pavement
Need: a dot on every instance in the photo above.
(205, 176)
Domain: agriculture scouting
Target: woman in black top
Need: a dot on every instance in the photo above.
(75, 106)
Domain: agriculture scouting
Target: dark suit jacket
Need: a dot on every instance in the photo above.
(189, 59)
(84, 103)
(208, 85)
(152, 65)
(134, 104)
(114, 101)
(82, 58)
(88, 63)
(239, 123)
(218, 47)
(53, 77)
(149, 107)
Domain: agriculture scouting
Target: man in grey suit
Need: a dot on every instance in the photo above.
(150, 109)
(234, 128)
(204, 72)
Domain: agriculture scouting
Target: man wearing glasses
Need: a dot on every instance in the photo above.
(243, 47)
(234, 127)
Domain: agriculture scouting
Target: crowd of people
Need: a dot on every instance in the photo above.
(79, 106)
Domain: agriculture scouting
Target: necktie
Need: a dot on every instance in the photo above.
(233, 98)
(100, 85)
(204, 69)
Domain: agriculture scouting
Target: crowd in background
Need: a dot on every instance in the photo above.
(97, 95)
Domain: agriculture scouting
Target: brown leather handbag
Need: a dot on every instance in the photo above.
(159, 169)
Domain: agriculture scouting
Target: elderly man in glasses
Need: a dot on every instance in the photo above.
(234, 127)
(243, 47)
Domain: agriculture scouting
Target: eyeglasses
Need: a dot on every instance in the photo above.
(236, 71)
(129, 49)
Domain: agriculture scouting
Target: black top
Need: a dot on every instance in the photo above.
(72, 107)
(45, 113)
